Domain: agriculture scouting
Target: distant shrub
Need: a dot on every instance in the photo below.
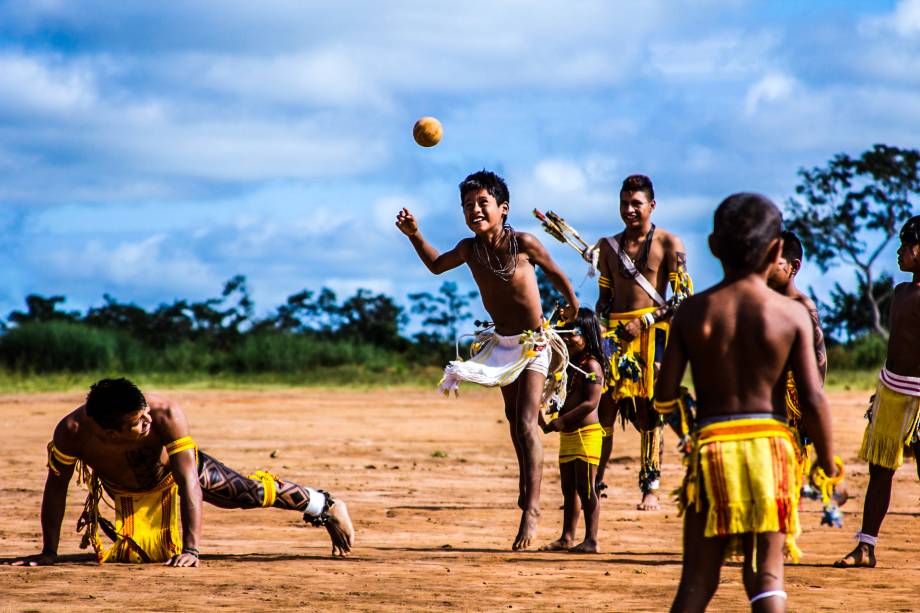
(57, 346)
(864, 353)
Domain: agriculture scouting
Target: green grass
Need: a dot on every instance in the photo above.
(846, 380)
(342, 377)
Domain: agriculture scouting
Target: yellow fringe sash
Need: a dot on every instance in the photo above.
(583, 444)
(636, 355)
(747, 469)
(893, 419)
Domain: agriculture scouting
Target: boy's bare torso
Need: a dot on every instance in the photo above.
(627, 294)
(738, 338)
(514, 306)
(904, 342)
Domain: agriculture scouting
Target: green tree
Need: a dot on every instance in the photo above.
(40, 309)
(442, 314)
(373, 318)
(845, 315)
(850, 210)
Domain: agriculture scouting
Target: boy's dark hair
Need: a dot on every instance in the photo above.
(638, 183)
(487, 180)
(743, 226)
(792, 246)
(910, 233)
(109, 400)
(590, 327)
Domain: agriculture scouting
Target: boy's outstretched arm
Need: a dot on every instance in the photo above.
(812, 400)
(673, 365)
(539, 256)
(435, 262)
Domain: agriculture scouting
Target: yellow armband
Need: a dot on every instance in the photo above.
(605, 282)
(181, 444)
(681, 284)
(56, 457)
(666, 408)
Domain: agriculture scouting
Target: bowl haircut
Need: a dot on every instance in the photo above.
(743, 227)
(489, 181)
(110, 400)
(910, 233)
(792, 246)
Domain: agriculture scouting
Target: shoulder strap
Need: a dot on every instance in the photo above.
(636, 275)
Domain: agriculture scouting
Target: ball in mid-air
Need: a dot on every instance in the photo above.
(427, 131)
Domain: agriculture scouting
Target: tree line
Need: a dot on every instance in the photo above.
(846, 213)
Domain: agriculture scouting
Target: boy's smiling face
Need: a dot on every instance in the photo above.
(482, 212)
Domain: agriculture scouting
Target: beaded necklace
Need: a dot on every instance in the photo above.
(485, 256)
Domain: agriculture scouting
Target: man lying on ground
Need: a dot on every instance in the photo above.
(141, 454)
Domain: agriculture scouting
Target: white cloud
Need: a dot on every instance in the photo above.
(560, 176)
(723, 55)
(345, 287)
(772, 87)
(154, 261)
(904, 20)
(33, 85)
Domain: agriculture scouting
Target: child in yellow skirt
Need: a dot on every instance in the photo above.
(581, 434)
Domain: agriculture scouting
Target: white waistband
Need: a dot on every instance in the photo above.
(909, 386)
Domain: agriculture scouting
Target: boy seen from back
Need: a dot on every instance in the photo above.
(517, 356)
(739, 338)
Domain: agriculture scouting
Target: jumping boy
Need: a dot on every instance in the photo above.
(580, 432)
(139, 452)
(739, 338)
(517, 356)
(636, 266)
(894, 417)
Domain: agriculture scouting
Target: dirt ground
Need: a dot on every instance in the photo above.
(431, 484)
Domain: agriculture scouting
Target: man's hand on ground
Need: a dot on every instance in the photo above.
(183, 559)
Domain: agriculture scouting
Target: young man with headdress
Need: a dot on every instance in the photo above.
(138, 450)
(739, 338)
(636, 267)
(894, 414)
(523, 355)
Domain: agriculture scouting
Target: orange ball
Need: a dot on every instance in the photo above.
(427, 131)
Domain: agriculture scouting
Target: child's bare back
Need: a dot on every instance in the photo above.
(732, 326)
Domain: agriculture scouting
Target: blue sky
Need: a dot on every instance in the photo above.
(154, 150)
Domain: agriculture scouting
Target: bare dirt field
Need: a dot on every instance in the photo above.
(431, 484)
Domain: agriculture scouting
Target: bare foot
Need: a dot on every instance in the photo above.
(557, 545)
(649, 502)
(340, 529)
(527, 531)
(861, 557)
(586, 546)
